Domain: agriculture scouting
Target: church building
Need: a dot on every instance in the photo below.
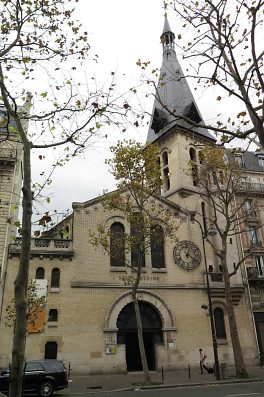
(89, 319)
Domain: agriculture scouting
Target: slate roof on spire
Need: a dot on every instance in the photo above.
(175, 96)
(166, 27)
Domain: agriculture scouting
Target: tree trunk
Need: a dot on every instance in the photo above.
(241, 371)
(20, 285)
(139, 327)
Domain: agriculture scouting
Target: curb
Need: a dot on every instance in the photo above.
(169, 386)
(226, 382)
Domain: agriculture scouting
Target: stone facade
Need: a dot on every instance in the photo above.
(91, 295)
(252, 235)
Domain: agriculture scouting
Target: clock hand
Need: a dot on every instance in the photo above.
(192, 256)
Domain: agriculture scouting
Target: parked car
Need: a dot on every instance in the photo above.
(40, 376)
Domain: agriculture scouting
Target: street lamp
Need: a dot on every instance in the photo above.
(213, 333)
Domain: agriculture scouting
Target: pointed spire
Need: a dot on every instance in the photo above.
(167, 37)
(173, 95)
(166, 27)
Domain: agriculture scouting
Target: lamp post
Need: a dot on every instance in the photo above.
(213, 333)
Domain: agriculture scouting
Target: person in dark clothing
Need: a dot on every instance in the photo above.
(202, 361)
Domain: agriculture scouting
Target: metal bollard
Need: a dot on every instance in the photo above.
(189, 371)
(69, 370)
(162, 373)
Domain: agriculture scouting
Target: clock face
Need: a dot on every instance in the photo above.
(187, 255)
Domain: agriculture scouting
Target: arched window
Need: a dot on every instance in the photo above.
(137, 240)
(55, 278)
(67, 231)
(219, 323)
(165, 159)
(51, 349)
(64, 233)
(165, 171)
(157, 246)
(193, 159)
(215, 178)
(159, 165)
(117, 245)
(221, 176)
(204, 218)
(192, 154)
(40, 273)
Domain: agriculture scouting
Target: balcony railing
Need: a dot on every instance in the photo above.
(44, 246)
(215, 279)
(255, 244)
(254, 274)
(251, 187)
(241, 164)
(217, 287)
(250, 213)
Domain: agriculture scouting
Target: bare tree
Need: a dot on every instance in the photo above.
(40, 41)
(220, 180)
(151, 219)
(220, 40)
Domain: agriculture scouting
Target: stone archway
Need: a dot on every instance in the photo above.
(127, 334)
(164, 332)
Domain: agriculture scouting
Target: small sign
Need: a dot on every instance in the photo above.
(110, 348)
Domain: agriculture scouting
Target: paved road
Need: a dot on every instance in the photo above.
(252, 389)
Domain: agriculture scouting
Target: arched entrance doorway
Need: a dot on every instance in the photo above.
(127, 334)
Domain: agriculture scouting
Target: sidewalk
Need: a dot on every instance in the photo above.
(134, 380)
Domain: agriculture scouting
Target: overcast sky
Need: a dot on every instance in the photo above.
(120, 32)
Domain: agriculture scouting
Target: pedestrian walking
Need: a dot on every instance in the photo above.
(203, 356)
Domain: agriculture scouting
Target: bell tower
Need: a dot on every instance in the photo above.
(167, 38)
(176, 125)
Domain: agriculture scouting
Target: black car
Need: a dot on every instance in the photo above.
(40, 376)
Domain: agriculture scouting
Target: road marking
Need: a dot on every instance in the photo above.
(247, 394)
